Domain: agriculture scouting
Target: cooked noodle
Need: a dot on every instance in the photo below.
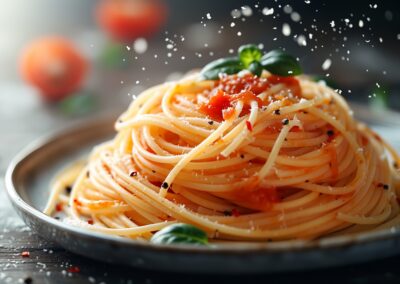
(286, 160)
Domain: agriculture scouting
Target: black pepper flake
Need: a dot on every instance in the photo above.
(285, 139)
(285, 121)
(227, 213)
(211, 122)
(330, 133)
(385, 187)
(305, 112)
(57, 218)
(277, 112)
(119, 120)
(153, 171)
(28, 280)
(165, 185)
(68, 189)
(87, 174)
(307, 180)
(133, 174)
(395, 165)
(241, 156)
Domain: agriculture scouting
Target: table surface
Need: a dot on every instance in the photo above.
(23, 118)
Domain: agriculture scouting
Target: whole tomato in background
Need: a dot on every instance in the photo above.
(126, 20)
(54, 66)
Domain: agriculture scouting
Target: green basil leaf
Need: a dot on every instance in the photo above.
(280, 63)
(256, 68)
(180, 233)
(230, 65)
(249, 53)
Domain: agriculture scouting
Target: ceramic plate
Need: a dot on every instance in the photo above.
(31, 172)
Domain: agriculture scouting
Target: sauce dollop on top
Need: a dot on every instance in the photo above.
(231, 89)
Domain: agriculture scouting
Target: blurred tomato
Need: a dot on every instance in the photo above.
(126, 20)
(54, 66)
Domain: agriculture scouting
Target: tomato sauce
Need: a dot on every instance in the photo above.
(253, 196)
(258, 199)
(231, 89)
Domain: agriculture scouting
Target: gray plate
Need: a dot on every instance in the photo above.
(31, 172)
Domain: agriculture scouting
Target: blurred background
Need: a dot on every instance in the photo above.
(64, 61)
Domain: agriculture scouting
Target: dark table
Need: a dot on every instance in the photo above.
(23, 117)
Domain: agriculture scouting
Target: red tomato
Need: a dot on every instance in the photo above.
(54, 66)
(126, 20)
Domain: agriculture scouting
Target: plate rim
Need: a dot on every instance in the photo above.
(333, 242)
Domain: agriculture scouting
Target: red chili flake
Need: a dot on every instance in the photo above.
(249, 125)
(74, 269)
(25, 253)
(295, 129)
(364, 141)
(59, 207)
(235, 212)
(90, 222)
(77, 202)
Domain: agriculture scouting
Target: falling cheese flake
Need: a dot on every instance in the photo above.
(239, 33)
(307, 1)
(295, 17)
(301, 40)
(332, 23)
(208, 16)
(327, 63)
(233, 24)
(360, 23)
(236, 13)
(140, 45)
(286, 29)
(380, 40)
(266, 11)
(247, 11)
(287, 9)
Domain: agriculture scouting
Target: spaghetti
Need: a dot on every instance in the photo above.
(244, 158)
